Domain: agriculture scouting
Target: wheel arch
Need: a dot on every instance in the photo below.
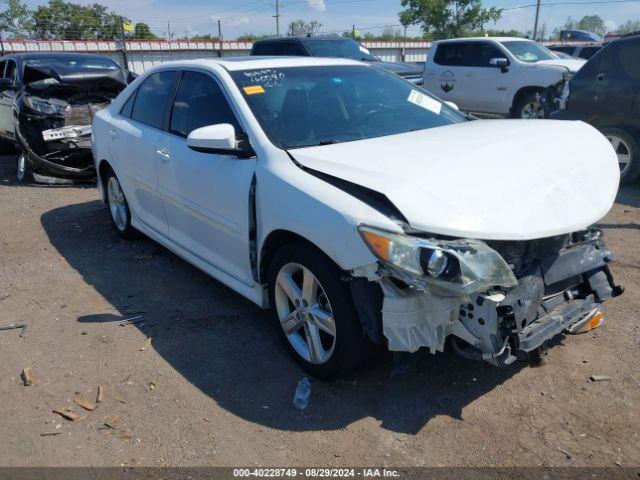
(103, 168)
(276, 239)
(522, 92)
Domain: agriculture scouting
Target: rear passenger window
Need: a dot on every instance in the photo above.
(453, 54)
(128, 105)
(280, 49)
(199, 102)
(154, 98)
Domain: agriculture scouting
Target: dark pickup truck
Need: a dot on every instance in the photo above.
(332, 47)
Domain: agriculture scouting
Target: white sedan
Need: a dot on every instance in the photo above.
(362, 209)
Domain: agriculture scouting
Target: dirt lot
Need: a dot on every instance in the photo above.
(215, 386)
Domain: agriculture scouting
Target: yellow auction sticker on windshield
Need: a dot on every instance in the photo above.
(254, 90)
(425, 101)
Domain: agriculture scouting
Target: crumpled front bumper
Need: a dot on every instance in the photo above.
(555, 294)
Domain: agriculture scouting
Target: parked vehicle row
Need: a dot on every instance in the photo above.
(365, 212)
(47, 103)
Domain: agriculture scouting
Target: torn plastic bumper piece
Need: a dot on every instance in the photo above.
(556, 293)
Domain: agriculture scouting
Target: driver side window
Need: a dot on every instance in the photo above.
(199, 102)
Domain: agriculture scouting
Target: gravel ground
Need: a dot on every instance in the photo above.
(214, 386)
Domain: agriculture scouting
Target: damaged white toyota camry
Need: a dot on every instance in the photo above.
(361, 209)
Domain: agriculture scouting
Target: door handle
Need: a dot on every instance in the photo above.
(164, 155)
(113, 134)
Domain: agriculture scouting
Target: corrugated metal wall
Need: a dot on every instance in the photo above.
(144, 55)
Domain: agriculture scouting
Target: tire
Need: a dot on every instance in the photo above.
(24, 170)
(7, 147)
(118, 207)
(311, 316)
(529, 107)
(628, 152)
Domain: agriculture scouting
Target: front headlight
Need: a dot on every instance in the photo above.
(46, 106)
(462, 265)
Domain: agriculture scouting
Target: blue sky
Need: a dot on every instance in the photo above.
(241, 16)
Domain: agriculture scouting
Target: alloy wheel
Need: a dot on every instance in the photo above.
(533, 110)
(623, 151)
(22, 167)
(117, 204)
(305, 313)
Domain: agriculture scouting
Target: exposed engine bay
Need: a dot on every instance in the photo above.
(54, 121)
(559, 284)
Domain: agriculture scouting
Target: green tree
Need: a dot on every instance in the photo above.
(68, 21)
(304, 28)
(252, 37)
(630, 26)
(142, 32)
(15, 19)
(592, 23)
(447, 18)
(206, 37)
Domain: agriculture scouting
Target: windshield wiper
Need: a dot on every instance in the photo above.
(328, 142)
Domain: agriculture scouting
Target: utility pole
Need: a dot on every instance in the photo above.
(353, 32)
(220, 38)
(125, 60)
(1, 43)
(168, 31)
(535, 26)
(277, 17)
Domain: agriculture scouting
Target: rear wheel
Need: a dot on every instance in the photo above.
(118, 207)
(314, 309)
(529, 107)
(627, 151)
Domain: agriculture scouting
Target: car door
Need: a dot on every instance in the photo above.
(488, 85)
(7, 99)
(603, 91)
(206, 195)
(450, 79)
(136, 136)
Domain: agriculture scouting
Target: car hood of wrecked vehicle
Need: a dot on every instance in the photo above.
(38, 78)
(489, 180)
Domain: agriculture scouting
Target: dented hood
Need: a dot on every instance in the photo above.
(42, 77)
(491, 179)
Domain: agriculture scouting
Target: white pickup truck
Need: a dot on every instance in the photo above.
(495, 75)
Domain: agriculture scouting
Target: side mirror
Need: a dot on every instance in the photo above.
(5, 84)
(453, 105)
(131, 76)
(501, 63)
(219, 139)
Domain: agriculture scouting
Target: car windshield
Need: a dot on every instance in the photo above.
(79, 62)
(529, 52)
(308, 106)
(340, 49)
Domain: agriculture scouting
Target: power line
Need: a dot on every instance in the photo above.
(555, 4)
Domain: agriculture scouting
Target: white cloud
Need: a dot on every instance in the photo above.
(317, 5)
(610, 25)
(236, 22)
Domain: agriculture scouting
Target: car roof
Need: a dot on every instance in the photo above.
(484, 39)
(32, 55)
(254, 63)
(299, 38)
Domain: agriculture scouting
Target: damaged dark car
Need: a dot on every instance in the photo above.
(47, 104)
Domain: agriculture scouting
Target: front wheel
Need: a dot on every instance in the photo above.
(529, 107)
(627, 151)
(24, 171)
(118, 207)
(316, 316)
